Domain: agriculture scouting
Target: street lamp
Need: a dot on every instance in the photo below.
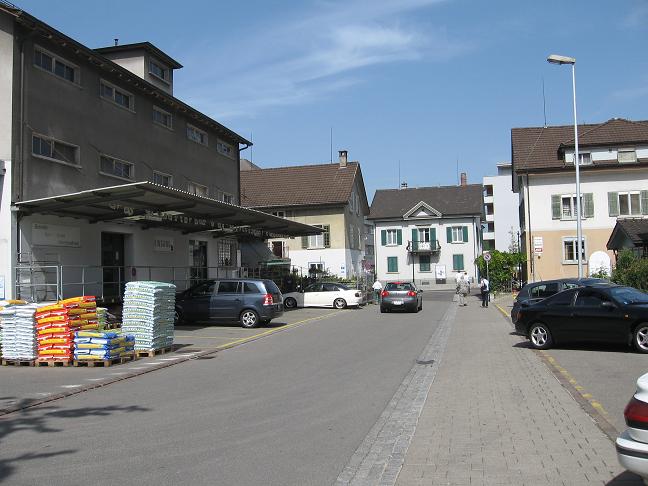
(556, 59)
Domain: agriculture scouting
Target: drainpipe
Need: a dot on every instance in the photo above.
(529, 250)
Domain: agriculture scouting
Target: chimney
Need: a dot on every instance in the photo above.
(343, 158)
(464, 179)
(403, 185)
(116, 41)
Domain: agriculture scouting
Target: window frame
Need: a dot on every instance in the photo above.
(165, 71)
(313, 243)
(392, 259)
(227, 153)
(573, 241)
(461, 231)
(204, 134)
(463, 262)
(163, 174)
(627, 151)
(426, 233)
(428, 263)
(629, 195)
(53, 141)
(191, 184)
(394, 241)
(113, 99)
(157, 109)
(120, 161)
(57, 59)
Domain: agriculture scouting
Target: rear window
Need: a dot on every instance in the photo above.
(251, 288)
(399, 286)
(271, 287)
(544, 290)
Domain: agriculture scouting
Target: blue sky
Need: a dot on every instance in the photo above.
(424, 82)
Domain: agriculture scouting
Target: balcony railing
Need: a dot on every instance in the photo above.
(423, 246)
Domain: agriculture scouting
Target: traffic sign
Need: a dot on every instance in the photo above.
(487, 257)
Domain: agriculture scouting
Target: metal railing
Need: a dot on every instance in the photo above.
(423, 246)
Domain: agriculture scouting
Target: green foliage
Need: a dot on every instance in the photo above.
(502, 268)
(631, 270)
(600, 273)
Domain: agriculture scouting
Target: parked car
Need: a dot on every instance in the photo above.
(604, 312)
(536, 291)
(632, 444)
(401, 296)
(250, 301)
(324, 294)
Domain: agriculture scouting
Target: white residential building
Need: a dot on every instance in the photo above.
(502, 225)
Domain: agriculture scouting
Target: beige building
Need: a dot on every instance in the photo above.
(613, 159)
(328, 196)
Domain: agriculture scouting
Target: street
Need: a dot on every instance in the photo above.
(290, 408)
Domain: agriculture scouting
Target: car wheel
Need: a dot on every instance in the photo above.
(383, 310)
(290, 303)
(539, 336)
(640, 338)
(177, 318)
(420, 306)
(339, 303)
(249, 319)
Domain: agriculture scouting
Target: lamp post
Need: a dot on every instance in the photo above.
(556, 59)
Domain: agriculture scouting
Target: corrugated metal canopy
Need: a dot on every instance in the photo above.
(151, 205)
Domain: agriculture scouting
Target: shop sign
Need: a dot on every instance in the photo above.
(163, 244)
(537, 244)
(56, 235)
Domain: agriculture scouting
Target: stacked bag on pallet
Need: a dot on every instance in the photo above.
(149, 313)
(102, 318)
(102, 346)
(18, 331)
(57, 323)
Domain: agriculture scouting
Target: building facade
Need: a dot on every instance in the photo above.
(427, 235)
(501, 226)
(328, 196)
(613, 185)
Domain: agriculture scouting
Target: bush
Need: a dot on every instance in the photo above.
(631, 270)
(502, 268)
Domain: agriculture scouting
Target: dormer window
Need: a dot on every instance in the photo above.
(584, 158)
(627, 156)
(158, 71)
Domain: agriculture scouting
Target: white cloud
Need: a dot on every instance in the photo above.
(312, 54)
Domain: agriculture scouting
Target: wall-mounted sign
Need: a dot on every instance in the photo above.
(440, 272)
(2, 287)
(537, 244)
(55, 235)
(163, 244)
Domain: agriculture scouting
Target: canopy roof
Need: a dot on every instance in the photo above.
(152, 205)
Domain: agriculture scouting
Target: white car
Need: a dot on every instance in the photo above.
(632, 445)
(324, 295)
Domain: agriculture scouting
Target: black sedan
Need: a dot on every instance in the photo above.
(604, 313)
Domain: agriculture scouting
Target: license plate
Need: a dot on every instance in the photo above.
(398, 302)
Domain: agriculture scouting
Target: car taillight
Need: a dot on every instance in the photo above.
(411, 293)
(384, 293)
(267, 299)
(636, 414)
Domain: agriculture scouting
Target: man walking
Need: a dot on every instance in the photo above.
(484, 286)
(463, 289)
(377, 287)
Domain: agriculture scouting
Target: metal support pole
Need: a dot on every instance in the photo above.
(579, 229)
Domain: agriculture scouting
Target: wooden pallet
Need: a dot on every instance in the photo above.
(103, 363)
(53, 362)
(17, 362)
(148, 353)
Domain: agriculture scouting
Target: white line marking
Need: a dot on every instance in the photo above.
(94, 379)
(70, 386)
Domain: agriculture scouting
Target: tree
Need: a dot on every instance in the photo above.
(502, 268)
(631, 270)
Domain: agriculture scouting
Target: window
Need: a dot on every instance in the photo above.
(392, 264)
(627, 156)
(162, 117)
(116, 167)
(225, 149)
(457, 234)
(205, 288)
(392, 237)
(162, 179)
(584, 158)
(116, 95)
(628, 203)
(197, 135)
(52, 64)
(564, 206)
(158, 71)
(226, 253)
(570, 251)
(228, 287)
(588, 298)
(561, 299)
(424, 235)
(251, 288)
(424, 263)
(323, 240)
(457, 262)
(545, 290)
(228, 198)
(49, 148)
(280, 214)
(313, 268)
(197, 189)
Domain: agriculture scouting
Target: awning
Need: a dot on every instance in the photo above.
(151, 205)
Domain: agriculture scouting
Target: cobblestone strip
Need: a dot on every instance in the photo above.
(381, 455)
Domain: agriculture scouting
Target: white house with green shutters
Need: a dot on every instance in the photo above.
(428, 234)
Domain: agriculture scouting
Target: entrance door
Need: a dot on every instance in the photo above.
(112, 261)
(197, 261)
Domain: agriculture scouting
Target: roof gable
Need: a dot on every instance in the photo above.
(422, 211)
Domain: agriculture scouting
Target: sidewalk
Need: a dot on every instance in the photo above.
(495, 415)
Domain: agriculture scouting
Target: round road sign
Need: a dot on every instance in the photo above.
(487, 257)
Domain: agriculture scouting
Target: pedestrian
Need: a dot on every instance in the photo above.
(377, 288)
(484, 286)
(463, 289)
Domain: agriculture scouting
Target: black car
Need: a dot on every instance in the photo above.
(401, 296)
(249, 301)
(604, 313)
(536, 291)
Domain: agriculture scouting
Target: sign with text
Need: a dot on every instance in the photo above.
(56, 235)
(537, 244)
(163, 244)
(440, 272)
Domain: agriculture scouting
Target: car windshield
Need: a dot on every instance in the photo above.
(399, 286)
(342, 287)
(629, 296)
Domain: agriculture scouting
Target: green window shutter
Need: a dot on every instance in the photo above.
(424, 263)
(465, 234)
(449, 233)
(555, 206)
(327, 235)
(588, 201)
(433, 239)
(457, 262)
(304, 241)
(644, 202)
(392, 264)
(414, 239)
(383, 237)
(399, 237)
(613, 203)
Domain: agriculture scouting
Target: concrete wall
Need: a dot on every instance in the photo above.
(505, 207)
(6, 86)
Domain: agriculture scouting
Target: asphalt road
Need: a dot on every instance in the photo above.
(290, 408)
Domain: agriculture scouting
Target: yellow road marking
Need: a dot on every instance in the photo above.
(503, 311)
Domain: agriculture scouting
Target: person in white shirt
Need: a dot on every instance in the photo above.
(377, 287)
(484, 286)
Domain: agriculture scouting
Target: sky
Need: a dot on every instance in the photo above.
(425, 85)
